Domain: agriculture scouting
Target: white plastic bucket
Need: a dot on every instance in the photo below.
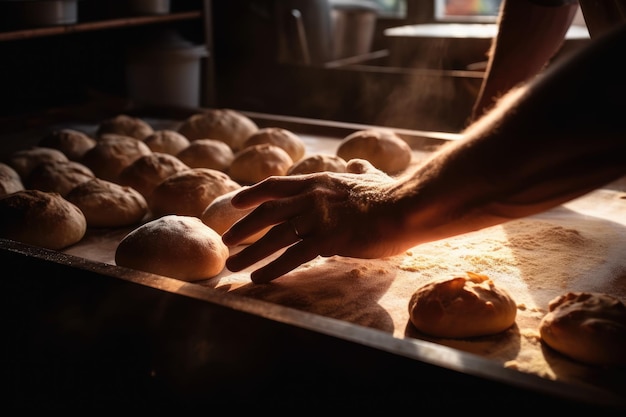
(166, 75)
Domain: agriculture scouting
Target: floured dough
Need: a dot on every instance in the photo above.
(462, 307)
(381, 147)
(283, 138)
(257, 162)
(588, 327)
(10, 180)
(180, 247)
(220, 215)
(112, 154)
(227, 125)
(188, 193)
(125, 125)
(107, 204)
(318, 163)
(166, 141)
(58, 176)
(73, 143)
(41, 218)
(25, 160)
(207, 153)
(148, 171)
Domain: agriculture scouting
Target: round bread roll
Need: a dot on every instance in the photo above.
(462, 307)
(207, 153)
(125, 125)
(25, 160)
(318, 163)
(229, 126)
(106, 204)
(257, 162)
(381, 147)
(188, 193)
(280, 137)
(166, 141)
(41, 219)
(220, 215)
(58, 176)
(72, 143)
(112, 154)
(150, 170)
(10, 180)
(180, 247)
(587, 327)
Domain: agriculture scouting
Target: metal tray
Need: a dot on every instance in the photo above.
(83, 333)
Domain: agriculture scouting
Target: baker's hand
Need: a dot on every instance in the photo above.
(324, 214)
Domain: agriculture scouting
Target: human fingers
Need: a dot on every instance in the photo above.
(289, 260)
(270, 189)
(265, 215)
(278, 237)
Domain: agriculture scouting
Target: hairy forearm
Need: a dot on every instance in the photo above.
(514, 59)
(544, 144)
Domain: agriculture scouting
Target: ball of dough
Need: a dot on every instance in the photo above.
(150, 170)
(188, 193)
(10, 180)
(257, 162)
(587, 327)
(41, 219)
(166, 141)
(180, 247)
(58, 176)
(381, 147)
(220, 215)
(207, 153)
(280, 137)
(112, 154)
(125, 125)
(318, 163)
(25, 160)
(229, 126)
(106, 204)
(462, 307)
(73, 143)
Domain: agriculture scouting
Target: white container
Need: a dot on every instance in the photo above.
(166, 73)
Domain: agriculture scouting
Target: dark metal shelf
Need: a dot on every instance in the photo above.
(98, 25)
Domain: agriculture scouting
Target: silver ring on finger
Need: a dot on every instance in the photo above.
(294, 226)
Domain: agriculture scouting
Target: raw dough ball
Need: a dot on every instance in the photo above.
(25, 160)
(148, 171)
(381, 147)
(10, 180)
(188, 193)
(58, 176)
(462, 307)
(41, 219)
(220, 215)
(587, 327)
(107, 204)
(72, 143)
(112, 154)
(229, 126)
(180, 247)
(257, 162)
(126, 126)
(282, 138)
(166, 141)
(318, 163)
(207, 153)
